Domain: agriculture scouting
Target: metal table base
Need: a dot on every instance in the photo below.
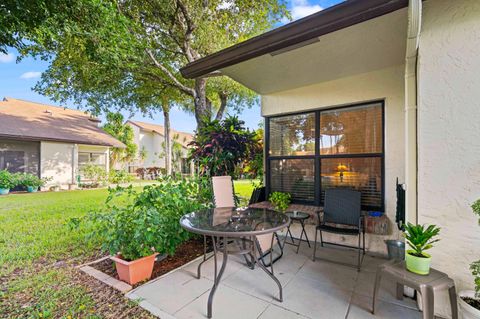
(218, 274)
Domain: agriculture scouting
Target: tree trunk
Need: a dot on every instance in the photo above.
(168, 144)
(223, 106)
(203, 111)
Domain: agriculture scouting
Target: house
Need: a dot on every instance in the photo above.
(150, 139)
(51, 142)
(365, 92)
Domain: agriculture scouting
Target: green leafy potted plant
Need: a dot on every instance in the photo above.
(31, 182)
(7, 181)
(420, 238)
(469, 300)
(280, 201)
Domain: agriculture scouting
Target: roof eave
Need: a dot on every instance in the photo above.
(323, 22)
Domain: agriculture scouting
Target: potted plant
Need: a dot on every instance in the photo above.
(469, 300)
(419, 238)
(280, 201)
(31, 182)
(7, 181)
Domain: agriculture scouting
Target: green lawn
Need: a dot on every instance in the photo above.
(244, 189)
(37, 254)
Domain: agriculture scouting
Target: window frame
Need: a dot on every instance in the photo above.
(318, 157)
(90, 159)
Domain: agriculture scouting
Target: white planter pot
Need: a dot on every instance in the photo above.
(467, 311)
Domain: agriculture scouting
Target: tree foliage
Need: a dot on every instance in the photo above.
(220, 146)
(123, 132)
(127, 54)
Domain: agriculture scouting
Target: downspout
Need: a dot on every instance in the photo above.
(413, 36)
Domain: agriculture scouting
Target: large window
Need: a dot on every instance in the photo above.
(20, 156)
(335, 148)
(97, 159)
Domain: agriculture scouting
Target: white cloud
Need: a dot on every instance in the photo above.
(7, 58)
(302, 8)
(30, 75)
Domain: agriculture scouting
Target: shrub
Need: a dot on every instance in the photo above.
(220, 146)
(8, 180)
(475, 266)
(280, 201)
(96, 174)
(119, 177)
(31, 180)
(150, 220)
(420, 238)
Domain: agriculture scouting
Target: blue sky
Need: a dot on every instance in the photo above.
(17, 79)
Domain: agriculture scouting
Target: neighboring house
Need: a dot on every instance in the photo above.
(383, 89)
(50, 141)
(150, 139)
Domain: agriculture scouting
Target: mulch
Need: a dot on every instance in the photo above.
(185, 253)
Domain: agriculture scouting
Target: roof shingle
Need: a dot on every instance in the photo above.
(26, 120)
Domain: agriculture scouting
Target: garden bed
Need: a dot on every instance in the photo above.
(185, 253)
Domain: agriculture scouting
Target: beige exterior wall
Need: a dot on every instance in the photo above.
(56, 162)
(384, 84)
(59, 161)
(449, 133)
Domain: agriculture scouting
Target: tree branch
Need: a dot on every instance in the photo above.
(173, 79)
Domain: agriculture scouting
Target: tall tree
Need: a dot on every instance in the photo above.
(116, 127)
(124, 53)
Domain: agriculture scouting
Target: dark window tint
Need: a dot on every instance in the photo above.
(294, 176)
(292, 135)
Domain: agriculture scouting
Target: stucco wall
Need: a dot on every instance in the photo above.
(383, 84)
(57, 163)
(449, 132)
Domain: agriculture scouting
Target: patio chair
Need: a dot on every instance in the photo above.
(342, 215)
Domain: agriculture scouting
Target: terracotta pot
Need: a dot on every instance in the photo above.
(467, 311)
(134, 271)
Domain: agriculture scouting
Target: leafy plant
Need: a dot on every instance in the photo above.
(149, 221)
(94, 173)
(8, 180)
(475, 266)
(220, 146)
(420, 238)
(119, 177)
(280, 201)
(26, 179)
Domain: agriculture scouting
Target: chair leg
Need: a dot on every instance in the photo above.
(359, 251)
(364, 242)
(321, 238)
(315, 245)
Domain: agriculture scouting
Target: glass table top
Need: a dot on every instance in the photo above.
(234, 222)
(297, 215)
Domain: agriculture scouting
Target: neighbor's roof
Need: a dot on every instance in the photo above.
(294, 34)
(183, 137)
(32, 121)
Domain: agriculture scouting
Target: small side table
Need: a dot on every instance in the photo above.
(426, 285)
(301, 218)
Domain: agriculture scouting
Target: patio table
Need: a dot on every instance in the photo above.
(232, 223)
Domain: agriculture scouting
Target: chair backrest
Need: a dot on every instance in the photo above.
(223, 191)
(342, 206)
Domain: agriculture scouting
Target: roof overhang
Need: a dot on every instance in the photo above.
(294, 35)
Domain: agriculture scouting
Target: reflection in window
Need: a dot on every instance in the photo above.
(292, 135)
(353, 130)
(362, 174)
(295, 176)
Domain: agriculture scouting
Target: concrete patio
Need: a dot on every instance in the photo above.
(310, 289)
